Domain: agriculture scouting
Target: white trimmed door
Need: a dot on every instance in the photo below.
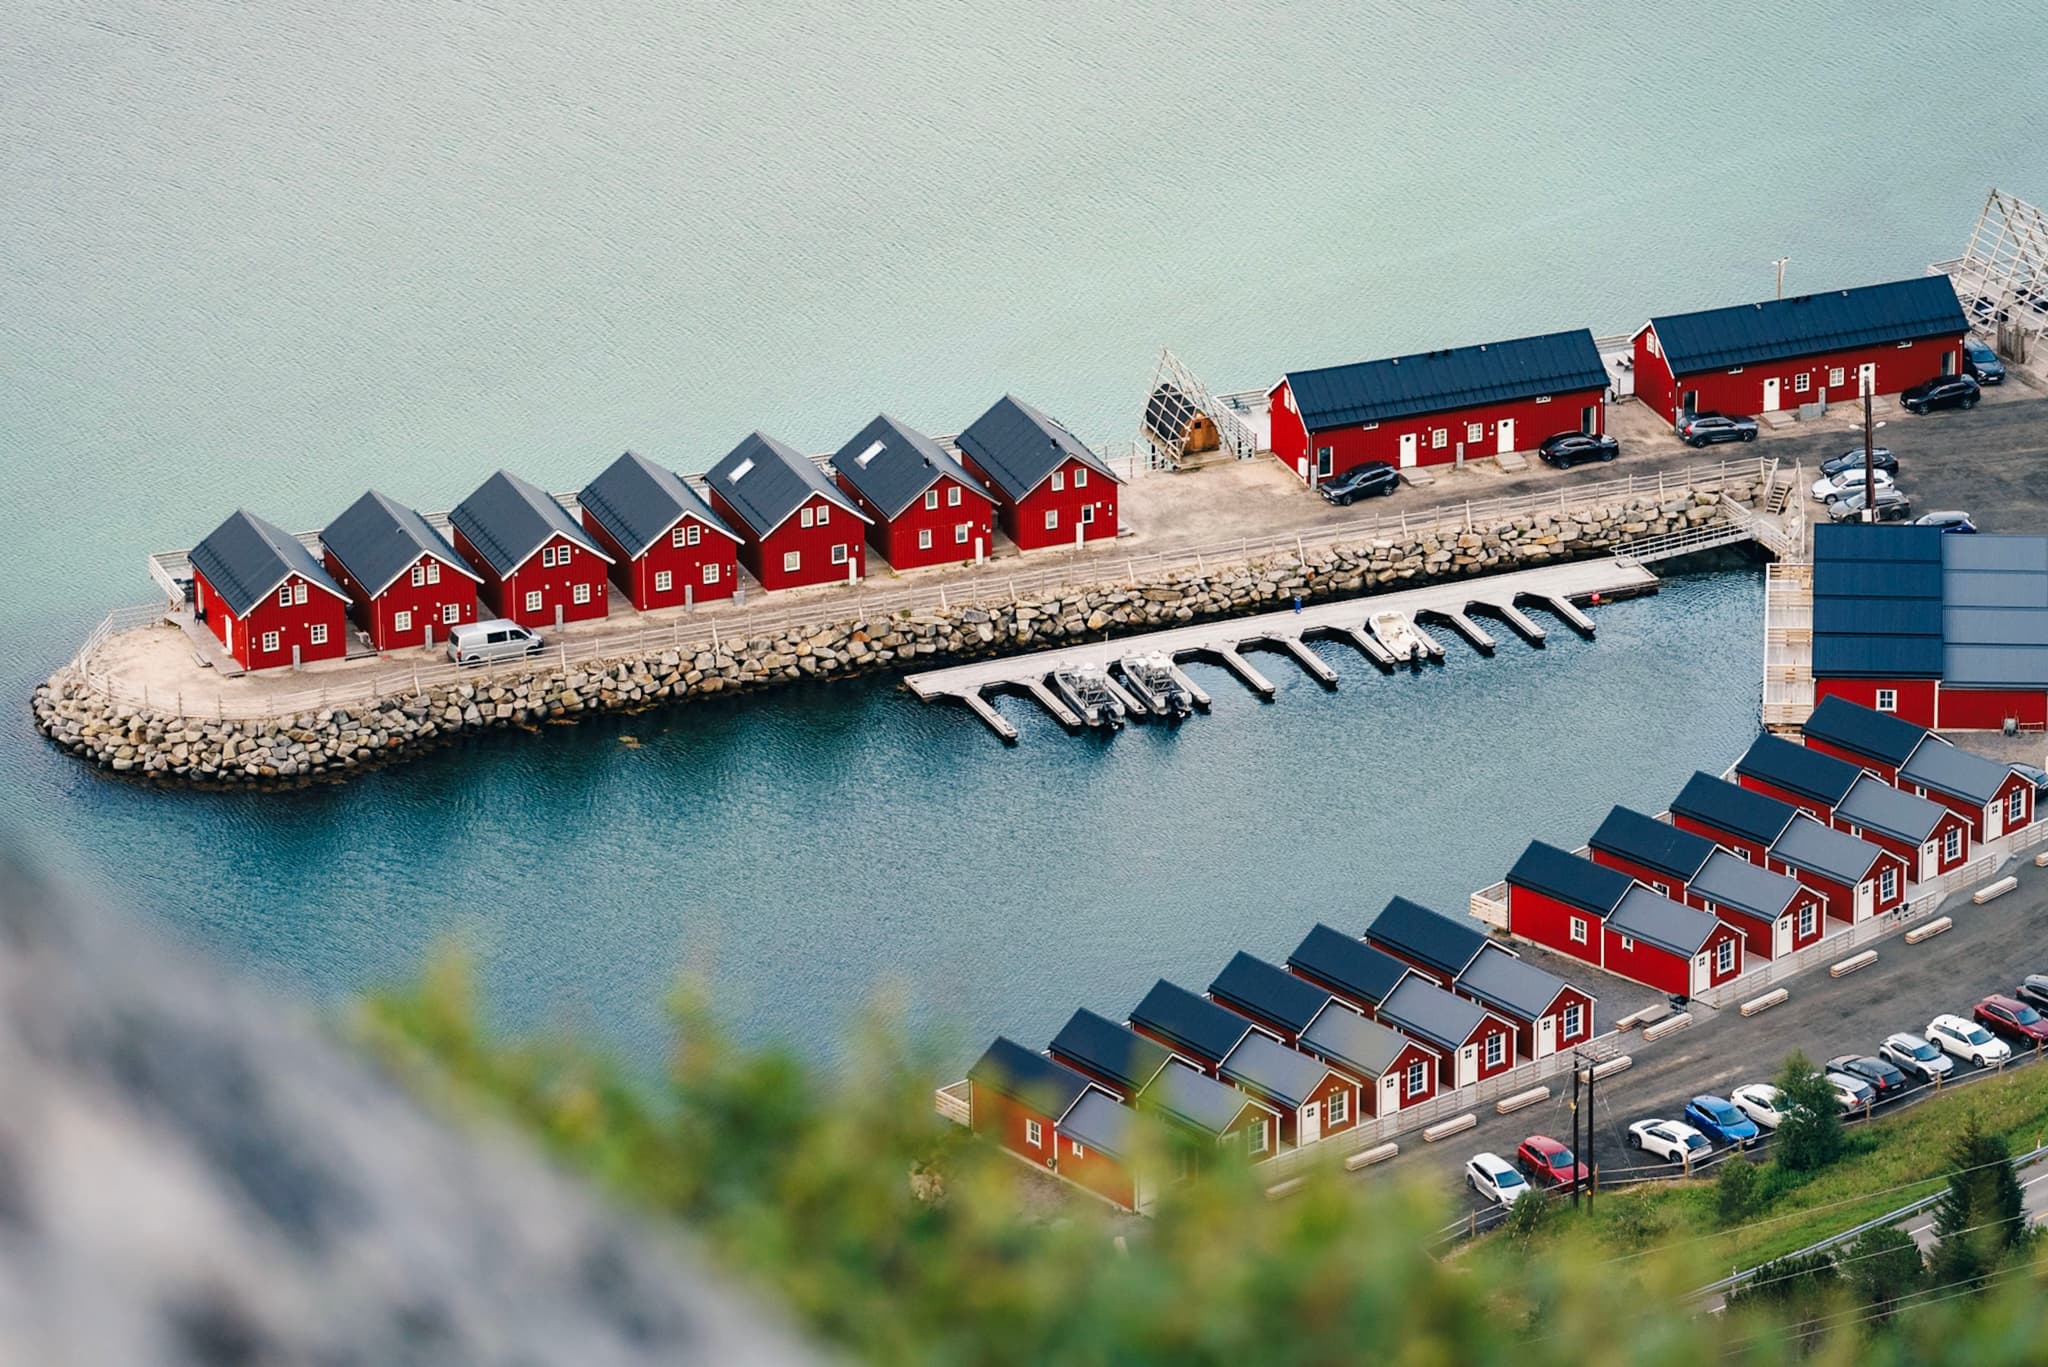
(1409, 441)
(1507, 435)
(1546, 1036)
(1772, 394)
(1311, 1127)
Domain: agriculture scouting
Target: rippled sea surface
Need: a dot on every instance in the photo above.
(270, 255)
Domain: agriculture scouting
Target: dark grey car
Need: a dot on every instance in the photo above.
(1705, 429)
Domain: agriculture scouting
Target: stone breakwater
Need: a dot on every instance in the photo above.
(162, 744)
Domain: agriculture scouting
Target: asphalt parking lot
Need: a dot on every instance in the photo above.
(1990, 949)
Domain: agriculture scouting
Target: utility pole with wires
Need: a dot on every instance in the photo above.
(1577, 1160)
(1869, 460)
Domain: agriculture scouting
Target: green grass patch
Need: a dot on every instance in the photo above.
(1888, 1164)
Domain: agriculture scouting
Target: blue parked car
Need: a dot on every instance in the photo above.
(1717, 1118)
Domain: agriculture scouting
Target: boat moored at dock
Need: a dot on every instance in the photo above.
(1087, 690)
(1151, 678)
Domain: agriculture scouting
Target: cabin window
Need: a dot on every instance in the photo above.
(711, 573)
(401, 622)
(931, 498)
(839, 556)
(1664, 888)
(1496, 1050)
(1887, 699)
(1255, 1139)
(1417, 1079)
(1735, 370)
(451, 613)
(824, 514)
(1059, 480)
(580, 594)
(1650, 344)
(791, 561)
(1888, 884)
(419, 575)
(804, 518)
(692, 534)
(1801, 382)
(1080, 479)
(1052, 518)
(1475, 431)
(1834, 377)
(284, 595)
(1627, 945)
(1439, 438)
(318, 633)
(1952, 842)
(1578, 931)
(269, 642)
(1079, 1152)
(547, 557)
(533, 601)
(1367, 426)
(1087, 514)
(1806, 920)
(662, 580)
(2016, 807)
(1337, 1108)
(1574, 1018)
(1543, 399)
(1905, 344)
(1033, 1135)
(1724, 957)
(953, 498)
(924, 539)
(960, 533)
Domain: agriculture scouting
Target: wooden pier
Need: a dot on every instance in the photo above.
(1558, 588)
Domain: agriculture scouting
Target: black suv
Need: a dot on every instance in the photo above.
(1880, 456)
(1360, 481)
(1567, 449)
(1703, 429)
(1981, 363)
(1892, 506)
(1943, 391)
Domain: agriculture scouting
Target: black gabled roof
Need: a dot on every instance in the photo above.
(1879, 735)
(892, 465)
(1507, 983)
(1426, 936)
(1196, 1100)
(1045, 1086)
(1348, 964)
(1807, 844)
(638, 503)
(1789, 765)
(765, 482)
(1441, 381)
(1193, 1025)
(1568, 878)
(1732, 808)
(1109, 1050)
(1628, 834)
(508, 519)
(1810, 324)
(1018, 447)
(1273, 1072)
(1947, 768)
(1260, 988)
(377, 539)
(246, 558)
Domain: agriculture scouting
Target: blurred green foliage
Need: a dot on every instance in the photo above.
(897, 1238)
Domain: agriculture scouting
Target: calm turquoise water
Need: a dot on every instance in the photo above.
(271, 255)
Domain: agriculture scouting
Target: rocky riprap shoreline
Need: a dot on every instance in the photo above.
(164, 745)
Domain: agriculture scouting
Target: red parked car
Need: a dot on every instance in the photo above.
(1549, 1160)
(2013, 1019)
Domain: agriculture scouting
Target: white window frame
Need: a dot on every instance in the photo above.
(961, 533)
(1080, 478)
(580, 595)
(270, 643)
(931, 499)
(451, 613)
(1724, 957)
(1887, 884)
(1496, 1050)
(1255, 1138)
(1887, 699)
(1439, 438)
(805, 518)
(2016, 807)
(1628, 945)
(952, 496)
(533, 600)
(1475, 431)
(824, 513)
(1952, 841)
(924, 538)
(840, 554)
(1578, 929)
(1052, 519)
(401, 622)
(547, 557)
(284, 595)
(419, 576)
(1808, 920)
(1574, 1019)
(663, 581)
(1415, 1081)
(299, 594)
(1059, 480)
(711, 572)
(1087, 514)
(1837, 377)
(1906, 345)
(1337, 1108)
(1735, 370)
(1078, 1151)
(316, 634)
(1802, 382)
(1034, 1134)
(792, 561)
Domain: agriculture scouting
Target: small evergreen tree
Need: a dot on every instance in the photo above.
(1982, 1215)
(1882, 1265)
(1810, 1137)
(1735, 1189)
(1797, 1279)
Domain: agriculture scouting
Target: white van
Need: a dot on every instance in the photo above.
(498, 639)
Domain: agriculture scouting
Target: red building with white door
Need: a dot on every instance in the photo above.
(1776, 914)
(1558, 900)
(1049, 488)
(1931, 838)
(922, 506)
(1655, 853)
(1438, 407)
(538, 567)
(796, 527)
(1393, 1072)
(1547, 1012)
(1859, 880)
(1779, 354)
(265, 598)
(407, 586)
(668, 548)
(1674, 948)
(1016, 1098)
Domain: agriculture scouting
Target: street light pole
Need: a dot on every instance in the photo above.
(1781, 263)
(1869, 460)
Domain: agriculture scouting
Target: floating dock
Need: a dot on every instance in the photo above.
(1557, 588)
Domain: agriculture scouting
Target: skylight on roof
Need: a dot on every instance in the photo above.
(875, 449)
(742, 468)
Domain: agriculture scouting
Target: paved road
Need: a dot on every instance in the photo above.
(2033, 1182)
(1989, 950)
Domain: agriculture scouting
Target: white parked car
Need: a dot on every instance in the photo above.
(1915, 1057)
(1761, 1102)
(1968, 1040)
(1851, 1093)
(1850, 481)
(1496, 1179)
(1668, 1140)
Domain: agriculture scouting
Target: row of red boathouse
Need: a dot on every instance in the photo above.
(1737, 872)
(651, 535)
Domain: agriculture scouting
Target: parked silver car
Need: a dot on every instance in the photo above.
(476, 643)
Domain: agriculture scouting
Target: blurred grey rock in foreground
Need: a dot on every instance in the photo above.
(191, 1173)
